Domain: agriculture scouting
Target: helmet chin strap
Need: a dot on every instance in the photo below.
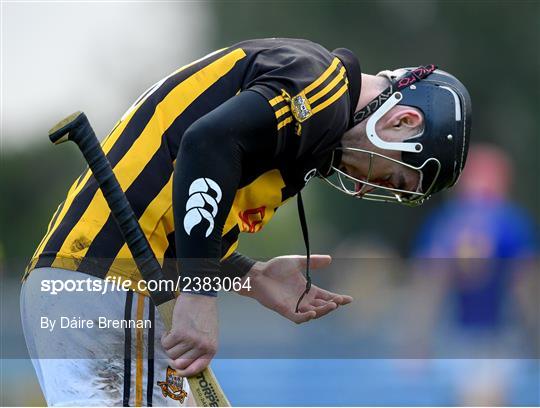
(374, 138)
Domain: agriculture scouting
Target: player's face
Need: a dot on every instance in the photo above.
(376, 169)
(384, 173)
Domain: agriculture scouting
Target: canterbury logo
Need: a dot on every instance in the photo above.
(198, 200)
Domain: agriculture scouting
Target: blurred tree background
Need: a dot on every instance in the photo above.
(492, 46)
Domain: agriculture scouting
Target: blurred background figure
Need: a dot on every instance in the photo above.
(475, 259)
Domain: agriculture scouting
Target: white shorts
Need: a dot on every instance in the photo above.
(108, 364)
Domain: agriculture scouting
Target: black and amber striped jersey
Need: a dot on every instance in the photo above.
(310, 95)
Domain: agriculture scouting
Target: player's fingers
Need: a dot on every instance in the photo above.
(323, 309)
(319, 261)
(346, 299)
(186, 359)
(167, 341)
(302, 317)
(315, 261)
(318, 302)
(181, 363)
(182, 350)
(325, 295)
(340, 299)
(178, 350)
(176, 344)
(195, 367)
(334, 297)
(170, 339)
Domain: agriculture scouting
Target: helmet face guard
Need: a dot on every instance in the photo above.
(438, 153)
(365, 189)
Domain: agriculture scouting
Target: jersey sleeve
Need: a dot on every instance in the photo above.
(307, 89)
(207, 174)
(236, 265)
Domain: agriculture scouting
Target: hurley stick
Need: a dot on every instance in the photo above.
(76, 127)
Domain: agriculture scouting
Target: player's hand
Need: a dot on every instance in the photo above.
(192, 341)
(278, 283)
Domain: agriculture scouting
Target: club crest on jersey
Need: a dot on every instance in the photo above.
(252, 219)
(204, 196)
(173, 386)
(300, 107)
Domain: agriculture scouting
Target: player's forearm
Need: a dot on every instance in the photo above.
(206, 178)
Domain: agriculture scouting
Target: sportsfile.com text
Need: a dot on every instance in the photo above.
(112, 284)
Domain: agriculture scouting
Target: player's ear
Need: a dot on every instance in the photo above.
(403, 117)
